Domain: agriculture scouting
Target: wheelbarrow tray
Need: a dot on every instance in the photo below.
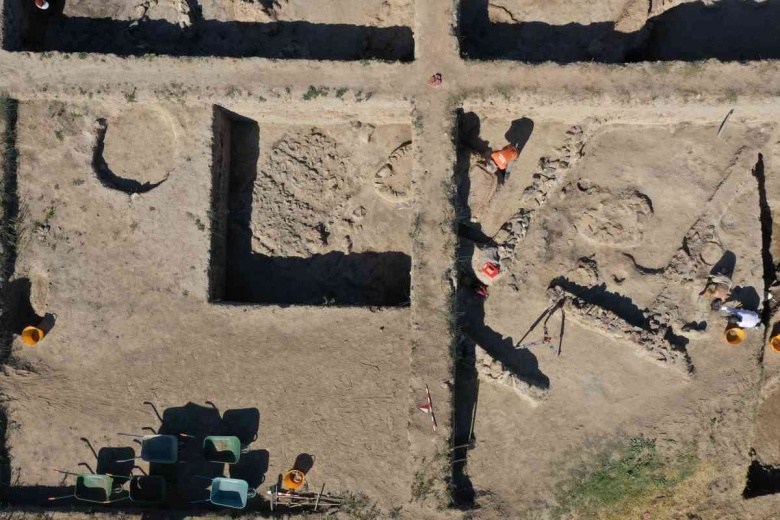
(145, 488)
(224, 449)
(229, 492)
(162, 449)
(94, 488)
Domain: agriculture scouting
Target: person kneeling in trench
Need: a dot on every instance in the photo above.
(741, 318)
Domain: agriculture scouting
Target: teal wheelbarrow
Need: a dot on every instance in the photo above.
(228, 492)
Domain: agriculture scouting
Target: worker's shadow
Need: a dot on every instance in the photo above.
(726, 265)
(519, 133)
(522, 363)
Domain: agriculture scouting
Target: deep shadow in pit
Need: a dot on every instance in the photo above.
(470, 312)
(103, 170)
(52, 31)
(765, 212)
(624, 308)
(14, 296)
(761, 480)
(731, 30)
(238, 274)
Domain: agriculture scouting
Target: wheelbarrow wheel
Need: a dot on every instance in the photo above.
(251, 493)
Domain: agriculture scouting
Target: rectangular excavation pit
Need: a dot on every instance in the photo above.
(331, 30)
(566, 31)
(311, 215)
(636, 209)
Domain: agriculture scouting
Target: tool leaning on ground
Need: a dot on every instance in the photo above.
(544, 318)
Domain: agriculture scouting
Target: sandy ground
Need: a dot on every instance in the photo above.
(158, 339)
(595, 373)
(130, 285)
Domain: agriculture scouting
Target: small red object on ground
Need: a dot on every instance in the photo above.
(42, 4)
(435, 80)
(491, 270)
(482, 290)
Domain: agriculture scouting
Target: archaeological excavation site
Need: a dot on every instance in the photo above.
(390, 259)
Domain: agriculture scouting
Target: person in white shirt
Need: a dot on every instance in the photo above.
(742, 318)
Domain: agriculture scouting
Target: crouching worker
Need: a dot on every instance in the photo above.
(717, 290)
(741, 318)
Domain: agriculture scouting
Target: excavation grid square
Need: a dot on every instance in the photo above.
(608, 31)
(311, 215)
(293, 29)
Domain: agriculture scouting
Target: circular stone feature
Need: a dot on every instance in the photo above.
(711, 253)
(140, 147)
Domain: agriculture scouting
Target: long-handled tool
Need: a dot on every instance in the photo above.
(544, 318)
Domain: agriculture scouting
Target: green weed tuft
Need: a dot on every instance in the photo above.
(314, 93)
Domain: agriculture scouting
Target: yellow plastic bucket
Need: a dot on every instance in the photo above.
(734, 335)
(32, 335)
(775, 343)
(293, 479)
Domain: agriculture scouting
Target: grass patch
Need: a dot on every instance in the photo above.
(359, 507)
(626, 477)
(130, 96)
(314, 92)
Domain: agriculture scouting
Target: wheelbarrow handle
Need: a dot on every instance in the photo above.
(60, 498)
(116, 500)
(65, 472)
(131, 435)
(120, 476)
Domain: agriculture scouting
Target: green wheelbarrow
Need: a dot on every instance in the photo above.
(228, 492)
(90, 487)
(223, 449)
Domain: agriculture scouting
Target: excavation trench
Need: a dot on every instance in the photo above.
(10, 230)
(241, 273)
(728, 30)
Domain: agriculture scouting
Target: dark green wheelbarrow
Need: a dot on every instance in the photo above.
(90, 487)
(223, 449)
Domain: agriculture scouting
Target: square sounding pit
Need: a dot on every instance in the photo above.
(619, 31)
(307, 215)
(294, 29)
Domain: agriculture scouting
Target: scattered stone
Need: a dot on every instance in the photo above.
(492, 371)
(650, 341)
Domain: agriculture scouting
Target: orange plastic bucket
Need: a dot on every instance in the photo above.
(775, 343)
(734, 335)
(293, 479)
(32, 335)
(503, 157)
